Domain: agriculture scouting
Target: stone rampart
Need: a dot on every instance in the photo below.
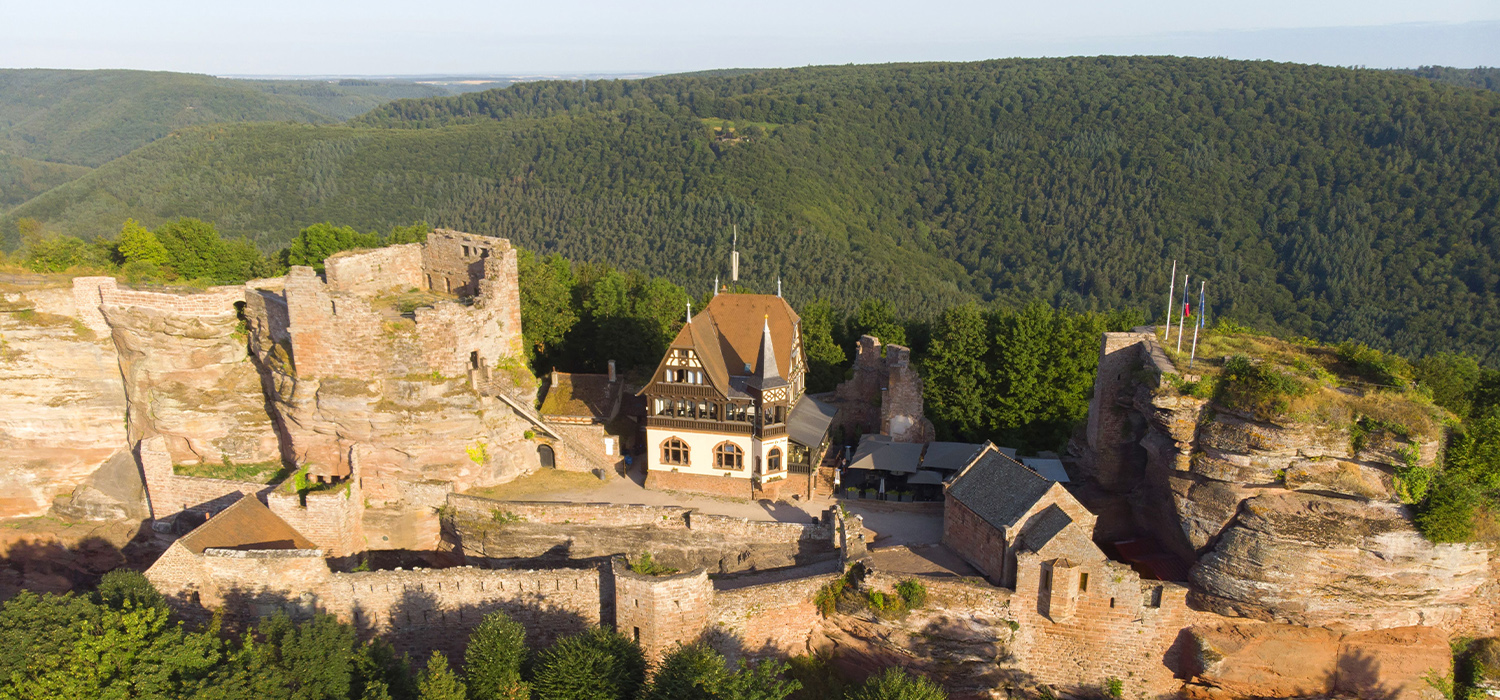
(517, 533)
(772, 619)
(392, 268)
(423, 610)
(170, 494)
(660, 612)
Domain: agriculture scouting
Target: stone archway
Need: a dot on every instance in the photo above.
(547, 457)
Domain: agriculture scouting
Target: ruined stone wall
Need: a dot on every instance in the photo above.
(392, 268)
(453, 261)
(170, 494)
(510, 533)
(767, 620)
(436, 609)
(1120, 627)
(901, 414)
(333, 520)
(1111, 438)
(660, 612)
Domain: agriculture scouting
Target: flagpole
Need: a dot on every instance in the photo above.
(1182, 320)
(1198, 325)
(1171, 298)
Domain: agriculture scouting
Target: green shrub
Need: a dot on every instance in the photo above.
(827, 598)
(599, 664)
(912, 593)
(495, 656)
(897, 684)
(1257, 387)
(648, 566)
(1448, 513)
(1114, 687)
(1375, 366)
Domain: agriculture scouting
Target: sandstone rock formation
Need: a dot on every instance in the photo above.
(1289, 521)
(62, 402)
(1273, 660)
(189, 379)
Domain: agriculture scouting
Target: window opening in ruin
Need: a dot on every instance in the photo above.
(1111, 602)
(429, 281)
(474, 360)
(637, 634)
(729, 456)
(674, 452)
(1046, 579)
(1154, 597)
(773, 460)
(1083, 583)
(447, 285)
(546, 455)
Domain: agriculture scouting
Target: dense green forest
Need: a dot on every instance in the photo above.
(24, 178)
(122, 641)
(91, 117)
(1481, 78)
(1326, 202)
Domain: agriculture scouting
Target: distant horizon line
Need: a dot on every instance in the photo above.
(490, 76)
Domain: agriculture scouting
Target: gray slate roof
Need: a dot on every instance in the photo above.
(877, 452)
(1050, 468)
(998, 489)
(951, 456)
(1046, 525)
(809, 421)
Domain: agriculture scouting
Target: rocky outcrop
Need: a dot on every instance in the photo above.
(1283, 661)
(1315, 560)
(114, 492)
(409, 429)
(190, 380)
(1294, 521)
(62, 403)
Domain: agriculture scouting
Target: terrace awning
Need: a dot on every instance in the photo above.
(924, 476)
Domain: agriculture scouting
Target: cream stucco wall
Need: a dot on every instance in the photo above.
(701, 452)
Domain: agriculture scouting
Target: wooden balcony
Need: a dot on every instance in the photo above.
(701, 426)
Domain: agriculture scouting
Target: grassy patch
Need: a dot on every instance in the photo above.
(1299, 380)
(253, 472)
(406, 303)
(541, 483)
(647, 566)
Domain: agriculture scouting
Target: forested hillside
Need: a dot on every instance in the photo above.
(50, 119)
(1326, 202)
(24, 178)
(1481, 78)
(90, 117)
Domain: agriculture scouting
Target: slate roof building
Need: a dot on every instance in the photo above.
(997, 507)
(720, 402)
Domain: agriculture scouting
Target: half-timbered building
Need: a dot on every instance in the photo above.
(719, 403)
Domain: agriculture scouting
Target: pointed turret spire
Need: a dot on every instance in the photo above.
(778, 287)
(766, 365)
(690, 312)
(716, 285)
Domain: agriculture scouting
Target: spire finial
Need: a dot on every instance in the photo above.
(690, 312)
(778, 287)
(716, 285)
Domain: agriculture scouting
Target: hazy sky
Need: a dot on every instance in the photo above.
(372, 37)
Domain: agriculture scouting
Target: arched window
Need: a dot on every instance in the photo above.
(729, 456)
(773, 460)
(545, 455)
(674, 452)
